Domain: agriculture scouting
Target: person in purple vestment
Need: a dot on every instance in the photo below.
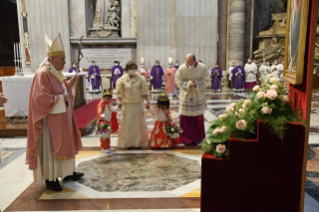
(73, 68)
(238, 77)
(157, 74)
(94, 78)
(117, 72)
(176, 65)
(217, 74)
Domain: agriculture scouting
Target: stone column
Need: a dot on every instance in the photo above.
(236, 31)
(222, 33)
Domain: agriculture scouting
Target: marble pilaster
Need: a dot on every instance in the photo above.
(235, 31)
(222, 32)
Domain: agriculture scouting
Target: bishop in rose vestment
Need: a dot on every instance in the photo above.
(53, 135)
(142, 70)
(192, 78)
(169, 73)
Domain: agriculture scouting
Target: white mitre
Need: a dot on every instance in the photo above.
(54, 48)
(142, 60)
(170, 60)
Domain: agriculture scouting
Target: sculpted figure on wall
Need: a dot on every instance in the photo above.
(113, 14)
(280, 20)
(275, 51)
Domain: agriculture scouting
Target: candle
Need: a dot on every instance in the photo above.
(14, 52)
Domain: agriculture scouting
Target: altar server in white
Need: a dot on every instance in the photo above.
(264, 70)
(275, 69)
(250, 75)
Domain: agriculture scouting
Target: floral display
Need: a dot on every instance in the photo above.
(268, 102)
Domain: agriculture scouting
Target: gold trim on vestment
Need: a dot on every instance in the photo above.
(53, 54)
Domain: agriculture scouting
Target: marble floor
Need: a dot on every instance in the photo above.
(136, 180)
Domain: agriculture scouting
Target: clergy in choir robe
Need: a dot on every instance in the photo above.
(217, 74)
(239, 77)
(250, 75)
(192, 78)
(169, 73)
(176, 65)
(275, 69)
(53, 135)
(281, 71)
(157, 74)
(94, 78)
(264, 70)
(142, 70)
(230, 75)
(117, 72)
(73, 68)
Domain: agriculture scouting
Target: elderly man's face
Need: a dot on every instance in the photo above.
(58, 62)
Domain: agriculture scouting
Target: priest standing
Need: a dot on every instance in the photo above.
(117, 72)
(238, 77)
(94, 79)
(169, 73)
(275, 69)
(264, 70)
(281, 71)
(217, 74)
(250, 75)
(73, 68)
(53, 135)
(176, 65)
(142, 70)
(157, 74)
(230, 75)
(192, 78)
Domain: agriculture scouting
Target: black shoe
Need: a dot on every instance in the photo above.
(139, 147)
(188, 144)
(75, 177)
(193, 144)
(54, 186)
(130, 148)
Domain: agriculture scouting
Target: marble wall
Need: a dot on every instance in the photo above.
(235, 31)
(247, 52)
(173, 28)
(47, 17)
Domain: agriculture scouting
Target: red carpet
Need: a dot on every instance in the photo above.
(86, 114)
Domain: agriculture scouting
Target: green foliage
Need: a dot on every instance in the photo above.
(272, 106)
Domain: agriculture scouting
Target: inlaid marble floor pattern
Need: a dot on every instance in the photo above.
(138, 180)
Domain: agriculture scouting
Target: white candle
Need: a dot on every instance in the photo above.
(14, 52)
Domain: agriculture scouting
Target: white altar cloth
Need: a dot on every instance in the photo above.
(17, 89)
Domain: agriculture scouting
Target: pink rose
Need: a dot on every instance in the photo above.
(266, 110)
(271, 94)
(247, 103)
(216, 131)
(241, 125)
(233, 105)
(274, 87)
(269, 76)
(241, 110)
(221, 148)
(274, 79)
(229, 109)
(223, 129)
(260, 95)
(284, 98)
(256, 88)
(222, 117)
(209, 142)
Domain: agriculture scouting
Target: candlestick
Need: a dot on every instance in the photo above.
(21, 70)
(15, 59)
